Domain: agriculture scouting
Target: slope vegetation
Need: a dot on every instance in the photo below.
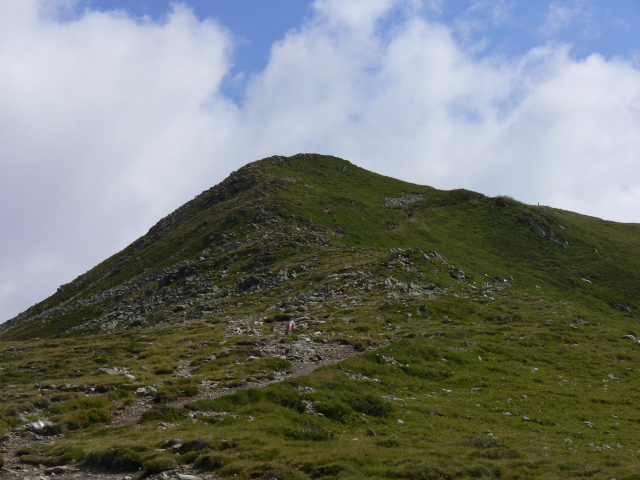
(474, 337)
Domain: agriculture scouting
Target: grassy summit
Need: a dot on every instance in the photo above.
(456, 335)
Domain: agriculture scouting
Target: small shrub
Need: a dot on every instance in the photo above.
(388, 443)
(191, 391)
(481, 442)
(163, 371)
(334, 410)
(310, 429)
(360, 346)
(164, 397)
(277, 363)
(158, 462)
(316, 471)
(210, 461)
(425, 373)
(287, 399)
(226, 444)
(127, 457)
(163, 413)
(51, 430)
(370, 405)
(41, 404)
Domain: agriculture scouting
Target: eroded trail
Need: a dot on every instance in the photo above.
(306, 354)
(325, 354)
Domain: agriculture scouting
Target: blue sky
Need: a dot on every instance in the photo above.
(113, 113)
(254, 24)
(489, 28)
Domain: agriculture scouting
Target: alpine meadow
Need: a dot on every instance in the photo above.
(435, 335)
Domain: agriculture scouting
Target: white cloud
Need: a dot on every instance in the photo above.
(563, 14)
(105, 122)
(543, 127)
(108, 122)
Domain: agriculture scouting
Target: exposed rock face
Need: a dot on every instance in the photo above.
(540, 226)
(621, 307)
(234, 244)
(408, 199)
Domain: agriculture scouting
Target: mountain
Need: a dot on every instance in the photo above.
(267, 222)
(439, 334)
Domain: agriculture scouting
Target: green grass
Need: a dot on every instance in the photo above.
(524, 378)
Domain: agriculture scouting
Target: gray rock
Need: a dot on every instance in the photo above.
(629, 337)
(250, 282)
(184, 476)
(619, 306)
(405, 200)
(200, 444)
(370, 432)
(171, 443)
(57, 470)
(39, 425)
(149, 390)
(110, 371)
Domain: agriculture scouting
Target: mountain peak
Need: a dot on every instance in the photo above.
(306, 314)
(278, 213)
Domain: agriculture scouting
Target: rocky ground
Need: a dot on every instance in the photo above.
(305, 355)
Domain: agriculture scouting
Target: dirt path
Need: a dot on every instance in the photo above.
(306, 355)
(331, 354)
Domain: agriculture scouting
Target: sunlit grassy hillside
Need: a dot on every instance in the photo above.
(456, 335)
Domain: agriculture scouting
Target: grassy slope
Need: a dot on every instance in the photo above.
(470, 230)
(545, 345)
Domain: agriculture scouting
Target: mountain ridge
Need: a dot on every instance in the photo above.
(242, 200)
(437, 334)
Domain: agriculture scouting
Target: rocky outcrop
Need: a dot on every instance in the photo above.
(405, 200)
(620, 307)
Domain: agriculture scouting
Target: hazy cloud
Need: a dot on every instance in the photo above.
(566, 13)
(108, 122)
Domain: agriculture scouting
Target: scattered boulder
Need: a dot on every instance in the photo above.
(249, 282)
(408, 199)
(619, 306)
(199, 445)
(147, 391)
(184, 476)
(39, 425)
(57, 470)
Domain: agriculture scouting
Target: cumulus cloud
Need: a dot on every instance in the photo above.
(108, 122)
(543, 127)
(105, 121)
